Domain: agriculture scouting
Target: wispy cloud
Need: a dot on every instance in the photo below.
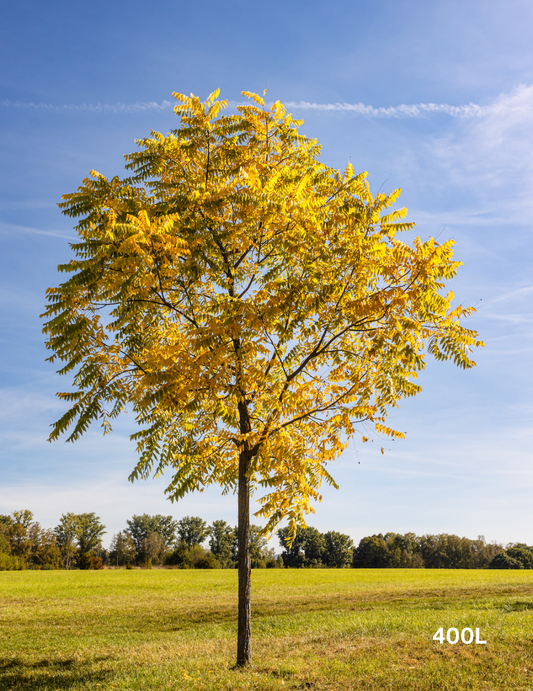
(517, 293)
(25, 205)
(402, 111)
(415, 110)
(137, 107)
(497, 147)
(13, 229)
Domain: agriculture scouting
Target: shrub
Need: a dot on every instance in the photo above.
(9, 563)
(179, 557)
(274, 563)
(95, 563)
(208, 562)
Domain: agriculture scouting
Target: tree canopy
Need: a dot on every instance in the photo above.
(192, 530)
(234, 291)
(140, 527)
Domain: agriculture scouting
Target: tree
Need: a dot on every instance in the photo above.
(66, 537)
(8, 562)
(192, 530)
(79, 536)
(122, 549)
(140, 528)
(153, 548)
(18, 534)
(403, 551)
(372, 553)
(44, 550)
(251, 306)
(258, 545)
(307, 548)
(89, 531)
(221, 541)
(339, 549)
(503, 561)
(521, 554)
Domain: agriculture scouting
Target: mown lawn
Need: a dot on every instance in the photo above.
(314, 629)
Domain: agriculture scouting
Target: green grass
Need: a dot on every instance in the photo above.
(369, 629)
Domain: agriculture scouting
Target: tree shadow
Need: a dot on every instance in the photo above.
(517, 606)
(49, 674)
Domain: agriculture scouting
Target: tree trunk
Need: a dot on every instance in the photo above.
(244, 636)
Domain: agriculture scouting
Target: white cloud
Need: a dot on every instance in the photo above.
(495, 151)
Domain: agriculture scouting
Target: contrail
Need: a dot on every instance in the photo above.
(417, 110)
(402, 111)
(138, 107)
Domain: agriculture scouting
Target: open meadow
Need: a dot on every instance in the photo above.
(312, 629)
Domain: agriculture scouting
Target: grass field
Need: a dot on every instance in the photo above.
(312, 629)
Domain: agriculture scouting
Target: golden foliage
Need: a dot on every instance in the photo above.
(240, 296)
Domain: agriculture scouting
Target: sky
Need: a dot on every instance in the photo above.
(434, 98)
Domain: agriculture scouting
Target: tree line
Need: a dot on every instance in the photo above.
(146, 541)
(76, 542)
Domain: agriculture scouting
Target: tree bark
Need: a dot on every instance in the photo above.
(244, 635)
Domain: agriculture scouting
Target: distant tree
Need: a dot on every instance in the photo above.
(44, 551)
(179, 556)
(521, 554)
(66, 533)
(122, 549)
(292, 547)
(141, 526)
(222, 538)
(89, 536)
(483, 552)
(314, 547)
(18, 534)
(11, 563)
(308, 548)
(4, 542)
(79, 538)
(504, 561)
(339, 550)
(8, 562)
(153, 548)
(521, 545)
(258, 545)
(371, 553)
(271, 560)
(24, 539)
(403, 551)
(445, 551)
(192, 530)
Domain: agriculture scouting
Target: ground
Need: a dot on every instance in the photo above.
(369, 629)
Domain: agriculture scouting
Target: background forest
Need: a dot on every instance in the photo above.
(190, 543)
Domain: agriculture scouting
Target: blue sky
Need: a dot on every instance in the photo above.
(435, 98)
